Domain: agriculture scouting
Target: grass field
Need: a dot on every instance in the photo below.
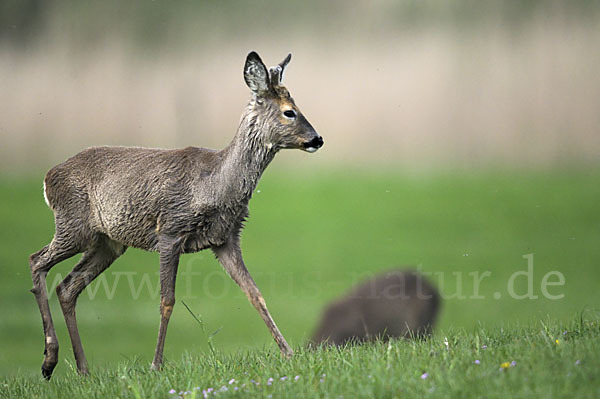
(311, 235)
(545, 361)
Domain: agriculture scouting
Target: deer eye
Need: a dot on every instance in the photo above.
(290, 114)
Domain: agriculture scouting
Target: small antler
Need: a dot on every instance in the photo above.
(275, 75)
(276, 72)
(284, 63)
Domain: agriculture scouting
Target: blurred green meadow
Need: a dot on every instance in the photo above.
(312, 233)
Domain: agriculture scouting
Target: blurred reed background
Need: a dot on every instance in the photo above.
(418, 84)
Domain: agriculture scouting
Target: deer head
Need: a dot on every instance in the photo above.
(284, 126)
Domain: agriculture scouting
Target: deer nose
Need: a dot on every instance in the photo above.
(314, 144)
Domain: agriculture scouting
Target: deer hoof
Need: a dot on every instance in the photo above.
(287, 353)
(155, 367)
(47, 371)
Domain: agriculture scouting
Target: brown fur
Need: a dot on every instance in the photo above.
(106, 199)
(394, 304)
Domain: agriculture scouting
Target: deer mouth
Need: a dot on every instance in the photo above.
(313, 145)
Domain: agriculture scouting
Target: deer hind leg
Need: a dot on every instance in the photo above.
(230, 257)
(40, 263)
(94, 261)
(169, 261)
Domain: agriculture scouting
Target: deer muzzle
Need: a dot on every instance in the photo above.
(314, 144)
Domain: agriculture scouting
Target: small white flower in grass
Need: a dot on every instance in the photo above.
(296, 378)
(172, 391)
(284, 378)
(424, 376)
(446, 343)
(231, 381)
(484, 347)
(577, 362)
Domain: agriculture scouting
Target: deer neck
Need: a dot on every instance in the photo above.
(245, 159)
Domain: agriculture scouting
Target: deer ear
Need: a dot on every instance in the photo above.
(255, 74)
(283, 64)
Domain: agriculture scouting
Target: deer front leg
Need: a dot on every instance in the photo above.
(230, 256)
(169, 260)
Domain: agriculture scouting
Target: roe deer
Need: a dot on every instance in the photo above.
(394, 304)
(106, 199)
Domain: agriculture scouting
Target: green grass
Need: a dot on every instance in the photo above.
(546, 361)
(311, 235)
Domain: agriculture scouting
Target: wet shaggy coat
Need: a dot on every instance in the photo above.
(106, 199)
(396, 304)
(133, 195)
(200, 196)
